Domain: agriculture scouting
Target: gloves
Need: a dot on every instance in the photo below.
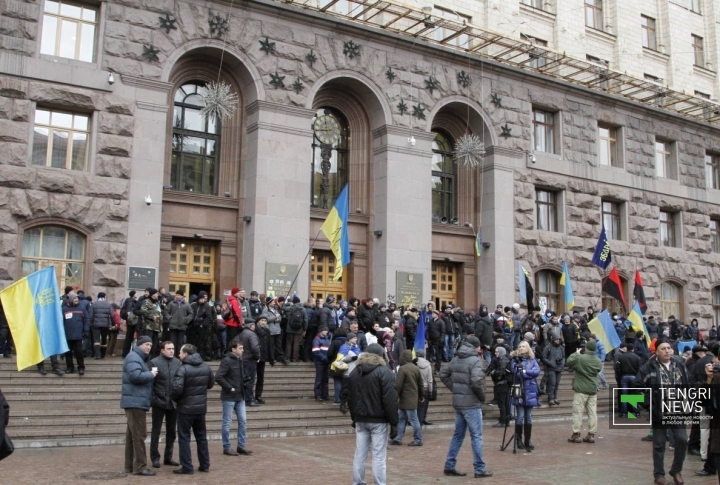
(354, 357)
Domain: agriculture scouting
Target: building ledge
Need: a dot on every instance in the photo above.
(355, 218)
(600, 35)
(655, 54)
(192, 198)
(705, 73)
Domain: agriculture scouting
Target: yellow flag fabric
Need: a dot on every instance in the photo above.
(335, 229)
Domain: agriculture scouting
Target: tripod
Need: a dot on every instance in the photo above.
(504, 444)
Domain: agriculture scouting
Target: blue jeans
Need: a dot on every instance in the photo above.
(625, 382)
(449, 349)
(467, 419)
(515, 340)
(239, 408)
(337, 387)
(406, 415)
(524, 415)
(365, 435)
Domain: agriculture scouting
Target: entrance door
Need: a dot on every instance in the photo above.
(322, 269)
(192, 267)
(444, 284)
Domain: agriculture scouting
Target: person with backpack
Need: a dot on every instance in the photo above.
(233, 315)
(297, 325)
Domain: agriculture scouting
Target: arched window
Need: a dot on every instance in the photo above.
(443, 179)
(331, 140)
(670, 297)
(196, 143)
(716, 305)
(547, 285)
(53, 245)
(610, 303)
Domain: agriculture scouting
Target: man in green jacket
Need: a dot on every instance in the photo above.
(409, 387)
(587, 366)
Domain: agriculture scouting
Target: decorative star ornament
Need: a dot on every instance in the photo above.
(463, 79)
(220, 101)
(469, 151)
(402, 107)
(150, 53)
(298, 86)
(311, 58)
(419, 112)
(390, 74)
(168, 23)
(267, 46)
(351, 49)
(219, 25)
(432, 84)
(506, 131)
(277, 80)
(496, 100)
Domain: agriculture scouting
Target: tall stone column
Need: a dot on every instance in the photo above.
(276, 177)
(401, 177)
(498, 270)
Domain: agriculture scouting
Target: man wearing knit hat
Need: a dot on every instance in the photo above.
(137, 386)
(587, 366)
(373, 408)
(320, 346)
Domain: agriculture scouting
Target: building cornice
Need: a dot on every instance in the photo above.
(146, 83)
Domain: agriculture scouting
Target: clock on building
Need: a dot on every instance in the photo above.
(327, 129)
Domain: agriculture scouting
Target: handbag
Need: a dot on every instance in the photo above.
(516, 391)
(6, 447)
(433, 390)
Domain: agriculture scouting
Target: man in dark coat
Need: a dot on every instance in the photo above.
(367, 314)
(409, 386)
(163, 408)
(189, 390)
(231, 379)
(484, 331)
(202, 327)
(77, 325)
(411, 327)
(263, 335)
(373, 409)
(465, 378)
(100, 324)
(435, 333)
(177, 315)
(250, 358)
(137, 384)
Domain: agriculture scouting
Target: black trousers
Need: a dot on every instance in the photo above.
(322, 374)
(129, 337)
(659, 439)
(276, 348)
(76, 349)
(100, 338)
(260, 380)
(170, 416)
(155, 337)
(435, 353)
(503, 401)
(232, 332)
(177, 337)
(250, 371)
(6, 338)
(423, 407)
(196, 423)
(53, 362)
(307, 344)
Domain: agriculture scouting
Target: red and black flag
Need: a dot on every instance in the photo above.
(613, 287)
(639, 292)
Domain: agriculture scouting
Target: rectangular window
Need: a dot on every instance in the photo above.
(694, 5)
(60, 140)
(441, 33)
(602, 80)
(715, 235)
(611, 219)
(594, 14)
(702, 95)
(69, 30)
(547, 210)
(667, 229)
(544, 131)
(698, 49)
(536, 53)
(649, 39)
(651, 78)
(607, 138)
(533, 3)
(664, 159)
(712, 171)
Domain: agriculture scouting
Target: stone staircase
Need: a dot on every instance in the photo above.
(70, 410)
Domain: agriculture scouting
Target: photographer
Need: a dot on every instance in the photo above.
(525, 370)
(554, 359)
(499, 371)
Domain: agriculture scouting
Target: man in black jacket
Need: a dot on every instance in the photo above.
(373, 408)
(411, 327)
(201, 328)
(251, 356)
(435, 332)
(627, 365)
(189, 390)
(465, 378)
(167, 366)
(102, 320)
(263, 336)
(127, 313)
(231, 379)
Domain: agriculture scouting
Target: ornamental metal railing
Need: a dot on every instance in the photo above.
(486, 44)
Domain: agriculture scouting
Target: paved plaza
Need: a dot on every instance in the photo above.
(618, 456)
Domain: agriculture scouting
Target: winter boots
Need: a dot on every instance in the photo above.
(575, 438)
(528, 434)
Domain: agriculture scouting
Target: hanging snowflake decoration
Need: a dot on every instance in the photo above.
(469, 150)
(220, 101)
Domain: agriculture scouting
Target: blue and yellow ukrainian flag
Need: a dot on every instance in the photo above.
(335, 229)
(565, 281)
(636, 319)
(32, 308)
(603, 328)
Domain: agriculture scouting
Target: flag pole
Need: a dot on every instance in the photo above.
(303, 263)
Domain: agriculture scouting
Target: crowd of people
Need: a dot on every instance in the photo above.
(367, 349)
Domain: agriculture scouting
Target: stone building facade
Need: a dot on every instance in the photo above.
(150, 186)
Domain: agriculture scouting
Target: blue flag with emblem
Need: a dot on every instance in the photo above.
(603, 256)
